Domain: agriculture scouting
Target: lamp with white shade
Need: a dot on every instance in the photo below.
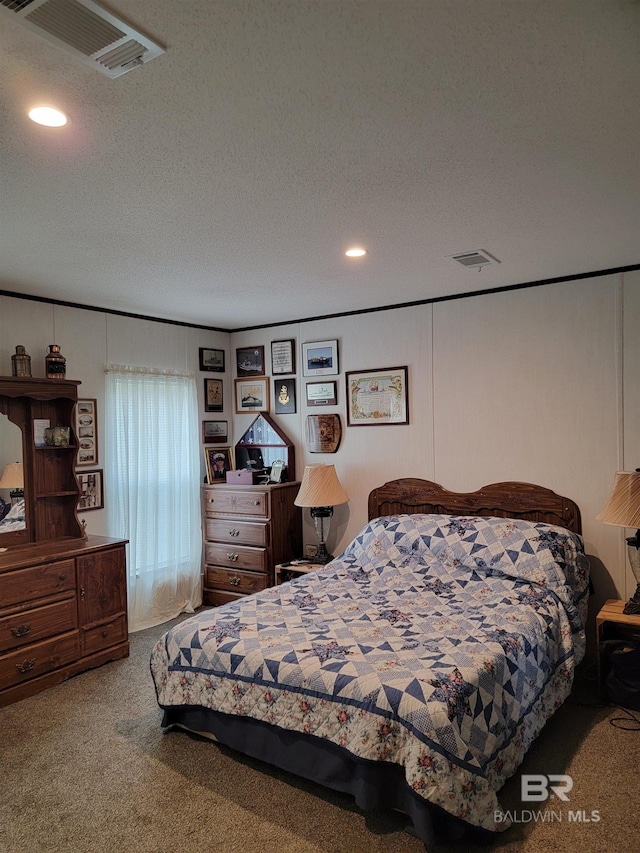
(13, 479)
(321, 490)
(623, 510)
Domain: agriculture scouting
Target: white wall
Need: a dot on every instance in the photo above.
(538, 385)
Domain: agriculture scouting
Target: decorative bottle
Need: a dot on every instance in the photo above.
(21, 362)
(56, 363)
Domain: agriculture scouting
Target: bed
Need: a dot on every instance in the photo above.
(414, 670)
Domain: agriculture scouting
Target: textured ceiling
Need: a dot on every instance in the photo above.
(221, 183)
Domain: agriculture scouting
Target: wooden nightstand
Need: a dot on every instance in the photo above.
(288, 571)
(611, 615)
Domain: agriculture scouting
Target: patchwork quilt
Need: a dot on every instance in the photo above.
(440, 643)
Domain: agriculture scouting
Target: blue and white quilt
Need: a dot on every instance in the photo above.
(440, 643)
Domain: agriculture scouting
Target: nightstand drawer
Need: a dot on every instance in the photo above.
(38, 659)
(235, 581)
(29, 626)
(36, 582)
(240, 532)
(236, 557)
(236, 501)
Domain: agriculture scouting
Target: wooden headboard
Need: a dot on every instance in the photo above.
(504, 500)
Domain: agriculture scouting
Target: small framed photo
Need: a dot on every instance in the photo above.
(321, 394)
(284, 396)
(283, 357)
(91, 490)
(213, 395)
(214, 432)
(218, 460)
(212, 359)
(250, 361)
(320, 358)
(376, 397)
(252, 395)
(86, 428)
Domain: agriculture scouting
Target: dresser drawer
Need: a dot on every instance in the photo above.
(235, 581)
(28, 626)
(38, 659)
(236, 557)
(236, 501)
(240, 532)
(103, 636)
(36, 582)
(215, 598)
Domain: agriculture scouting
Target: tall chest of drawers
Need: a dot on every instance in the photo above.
(63, 609)
(247, 530)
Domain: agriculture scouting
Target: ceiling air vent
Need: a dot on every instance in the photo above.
(476, 259)
(86, 30)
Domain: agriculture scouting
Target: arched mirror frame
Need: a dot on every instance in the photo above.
(16, 413)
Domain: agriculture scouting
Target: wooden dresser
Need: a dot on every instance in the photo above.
(63, 595)
(63, 609)
(247, 530)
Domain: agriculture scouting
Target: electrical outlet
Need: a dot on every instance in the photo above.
(310, 551)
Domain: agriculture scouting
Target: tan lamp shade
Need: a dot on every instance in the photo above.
(12, 476)
(321, 487)
(623, 506)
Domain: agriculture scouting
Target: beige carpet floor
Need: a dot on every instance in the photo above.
(86, 767)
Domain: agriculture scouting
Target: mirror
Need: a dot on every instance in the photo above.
(12, 512)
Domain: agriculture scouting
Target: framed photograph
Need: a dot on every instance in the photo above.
(283, 357)
(214, 432)
(40, 427)
(321, 394)
(252, 395)
(284, 396)
(323, 433)
(91, 490)
(86, 428)
(213, 395)
(320, 358)
(218, 460)
(250, 361)
(212, 359)
(376, 397)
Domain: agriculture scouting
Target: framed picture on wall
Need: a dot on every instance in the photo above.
(321, 394)
(86, 428)
(252, 395)
(284, 396)
(320, 358)
(213, 395)
(212, 359)
(283, 357)
(214, 432)
(250, 361)
(91, 490)
(377, 397)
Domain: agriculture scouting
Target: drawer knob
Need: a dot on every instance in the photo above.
(232, 557)
(256, 503)
(21, 630)
(234, 532)
(26, 665)
(63, 576)
(234, 581)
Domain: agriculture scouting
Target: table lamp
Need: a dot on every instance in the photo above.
(623, 510)
(13, 478)
(321, 490)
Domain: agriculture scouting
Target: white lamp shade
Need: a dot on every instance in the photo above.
(623, 506)
(12, 476)
(321, 487)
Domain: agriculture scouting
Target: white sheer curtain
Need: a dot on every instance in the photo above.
(152, 484)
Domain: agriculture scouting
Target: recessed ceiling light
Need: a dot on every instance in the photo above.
(48, 116)
(355, 252)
